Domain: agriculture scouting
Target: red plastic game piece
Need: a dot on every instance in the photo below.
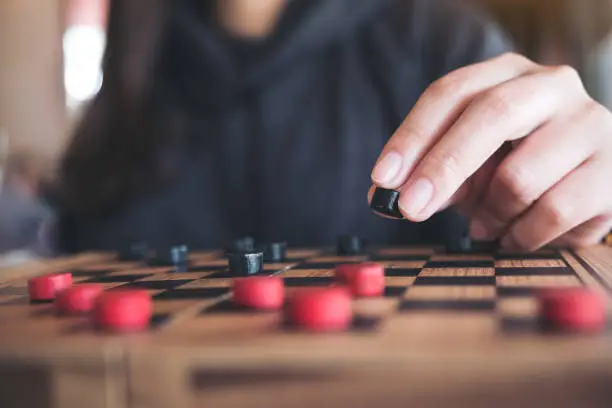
(259, 292)
(362, 279)
(320, 309)
(46, 287)
(78, 299)
(573, 309)
(123, 310)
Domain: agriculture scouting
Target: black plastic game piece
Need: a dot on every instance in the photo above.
(385, 202)
(244, 244)
(274, 251)
(175, 256)
(245, 263)
(350, 245)
(138, 251)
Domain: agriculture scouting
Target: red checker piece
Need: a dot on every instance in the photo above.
(362, 279)
(573, 309)
(259, 292)
(320, 309)
(78, 299)
(46, 287)
(123, 310)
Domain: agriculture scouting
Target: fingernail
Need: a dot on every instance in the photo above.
(387, 168)
(478, 230)
(416, 197)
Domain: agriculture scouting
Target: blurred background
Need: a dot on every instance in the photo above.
(50, 53)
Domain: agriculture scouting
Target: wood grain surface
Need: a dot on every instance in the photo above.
(450, 330)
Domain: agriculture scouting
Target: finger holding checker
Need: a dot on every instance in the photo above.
(520, 148)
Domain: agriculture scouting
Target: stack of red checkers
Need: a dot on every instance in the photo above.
(78, 299)
(259, 292)
(46, 287)
(123, 310)
(573, 309)
(362, 279)
(320, 309)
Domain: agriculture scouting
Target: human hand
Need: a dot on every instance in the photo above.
(520, 148)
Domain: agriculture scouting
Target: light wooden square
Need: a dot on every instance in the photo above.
(399, 280)
(207, 283)
(538, 281)
(436, 292)
(403, 264)
(458, 272)
(518, 307)
(529, 263)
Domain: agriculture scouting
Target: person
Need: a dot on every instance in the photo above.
(276, 119)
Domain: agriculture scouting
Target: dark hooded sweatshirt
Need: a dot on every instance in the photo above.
(282, 133)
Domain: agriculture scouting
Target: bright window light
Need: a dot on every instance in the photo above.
(83, 51)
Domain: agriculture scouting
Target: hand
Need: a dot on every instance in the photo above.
(518, 147)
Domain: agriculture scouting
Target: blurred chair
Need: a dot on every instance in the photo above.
(23, 217)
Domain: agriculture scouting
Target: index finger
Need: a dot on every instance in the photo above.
(504, 113)
(435, 112)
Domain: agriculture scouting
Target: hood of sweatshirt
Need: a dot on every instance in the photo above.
(208, 72)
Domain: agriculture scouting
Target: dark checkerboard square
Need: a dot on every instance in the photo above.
(527, 256)
(447, 305)
(391, 258)
(395, 291)
(117, 278)
(318, 265)
(206, 268)
(455, 280)
(519, 325)
(460, 264)
(517, 291)
(360, 324)
(308, 281)
(399, 272)
(159, 319)
(192, 293)
(83, 272)
(13, 290)
(365, 323)
(161, 262)
(228, 306)
(155, 285)
(228, 274)
(518, 271)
